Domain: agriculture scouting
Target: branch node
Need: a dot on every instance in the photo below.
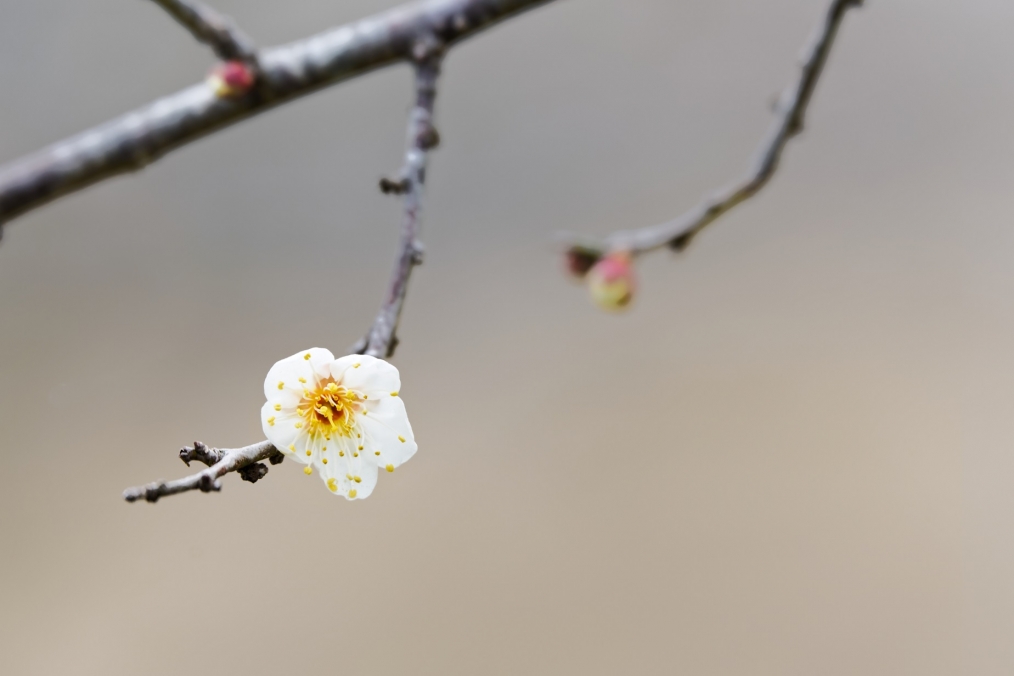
(418, 252)
(255, 472)
(427, 48)
(153, 491)
(391, 187)
(201, 453)
(428, 137)
(681, 242)
(276, 459)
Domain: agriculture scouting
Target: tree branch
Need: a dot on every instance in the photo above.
(421, 33)
(791, 110)
(287, 72)
(213, 29)
(382, 340)
(220, 462)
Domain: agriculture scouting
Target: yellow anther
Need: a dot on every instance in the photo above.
(357, 479)
(331, 387)
(333, 485)
(299, 425)
(308, 452)
(359, 436)
(328, 437)
(323, 448)
(292, 447)
(324, 460)
(308, 470)
(401, 438)
(302, 380)
(278, 407)
(349, 477)
(352, 493)
(390, 468)
(356, 365)
(366, 396)
(306, 356)
(376, 453)
(341, 454)
(394, 394)
(271, 421)
(355, 454)
(360, 448)
(281, 384)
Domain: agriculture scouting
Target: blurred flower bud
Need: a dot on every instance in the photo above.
(579, 260)
(231, 79)
(611, 281)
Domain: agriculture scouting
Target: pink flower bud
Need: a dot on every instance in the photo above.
(611, 281)
(231, 79)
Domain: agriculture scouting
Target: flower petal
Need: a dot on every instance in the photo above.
(367, 475)
(283, 384)
(279, 426)
(386, 429)
(341, 471)
(366, 374)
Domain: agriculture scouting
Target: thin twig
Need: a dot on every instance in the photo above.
(213, 29)
(422, 137)
(144, 135)
(791, 110)
(220, 462)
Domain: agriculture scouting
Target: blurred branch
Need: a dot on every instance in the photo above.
(220, 461)
(140, 137)
(381, 341)
(213, 29)
(790, 111)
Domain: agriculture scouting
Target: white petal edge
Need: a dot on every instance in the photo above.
(387, 429)
(283, 379)
(366, 374)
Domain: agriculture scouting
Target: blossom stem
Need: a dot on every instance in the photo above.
(422, 137)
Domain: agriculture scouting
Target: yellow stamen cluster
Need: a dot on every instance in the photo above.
(329, 409)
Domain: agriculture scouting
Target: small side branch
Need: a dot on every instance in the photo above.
(422, 137)
(791, 111)
(213, 29)
(220, 461)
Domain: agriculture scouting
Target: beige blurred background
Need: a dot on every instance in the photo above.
(792, 456)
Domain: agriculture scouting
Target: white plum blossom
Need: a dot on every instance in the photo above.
(343, 417)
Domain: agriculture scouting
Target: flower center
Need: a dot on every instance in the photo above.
(329, 409)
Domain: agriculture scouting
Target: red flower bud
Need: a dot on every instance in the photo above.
(231, 79)
(612, 282)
